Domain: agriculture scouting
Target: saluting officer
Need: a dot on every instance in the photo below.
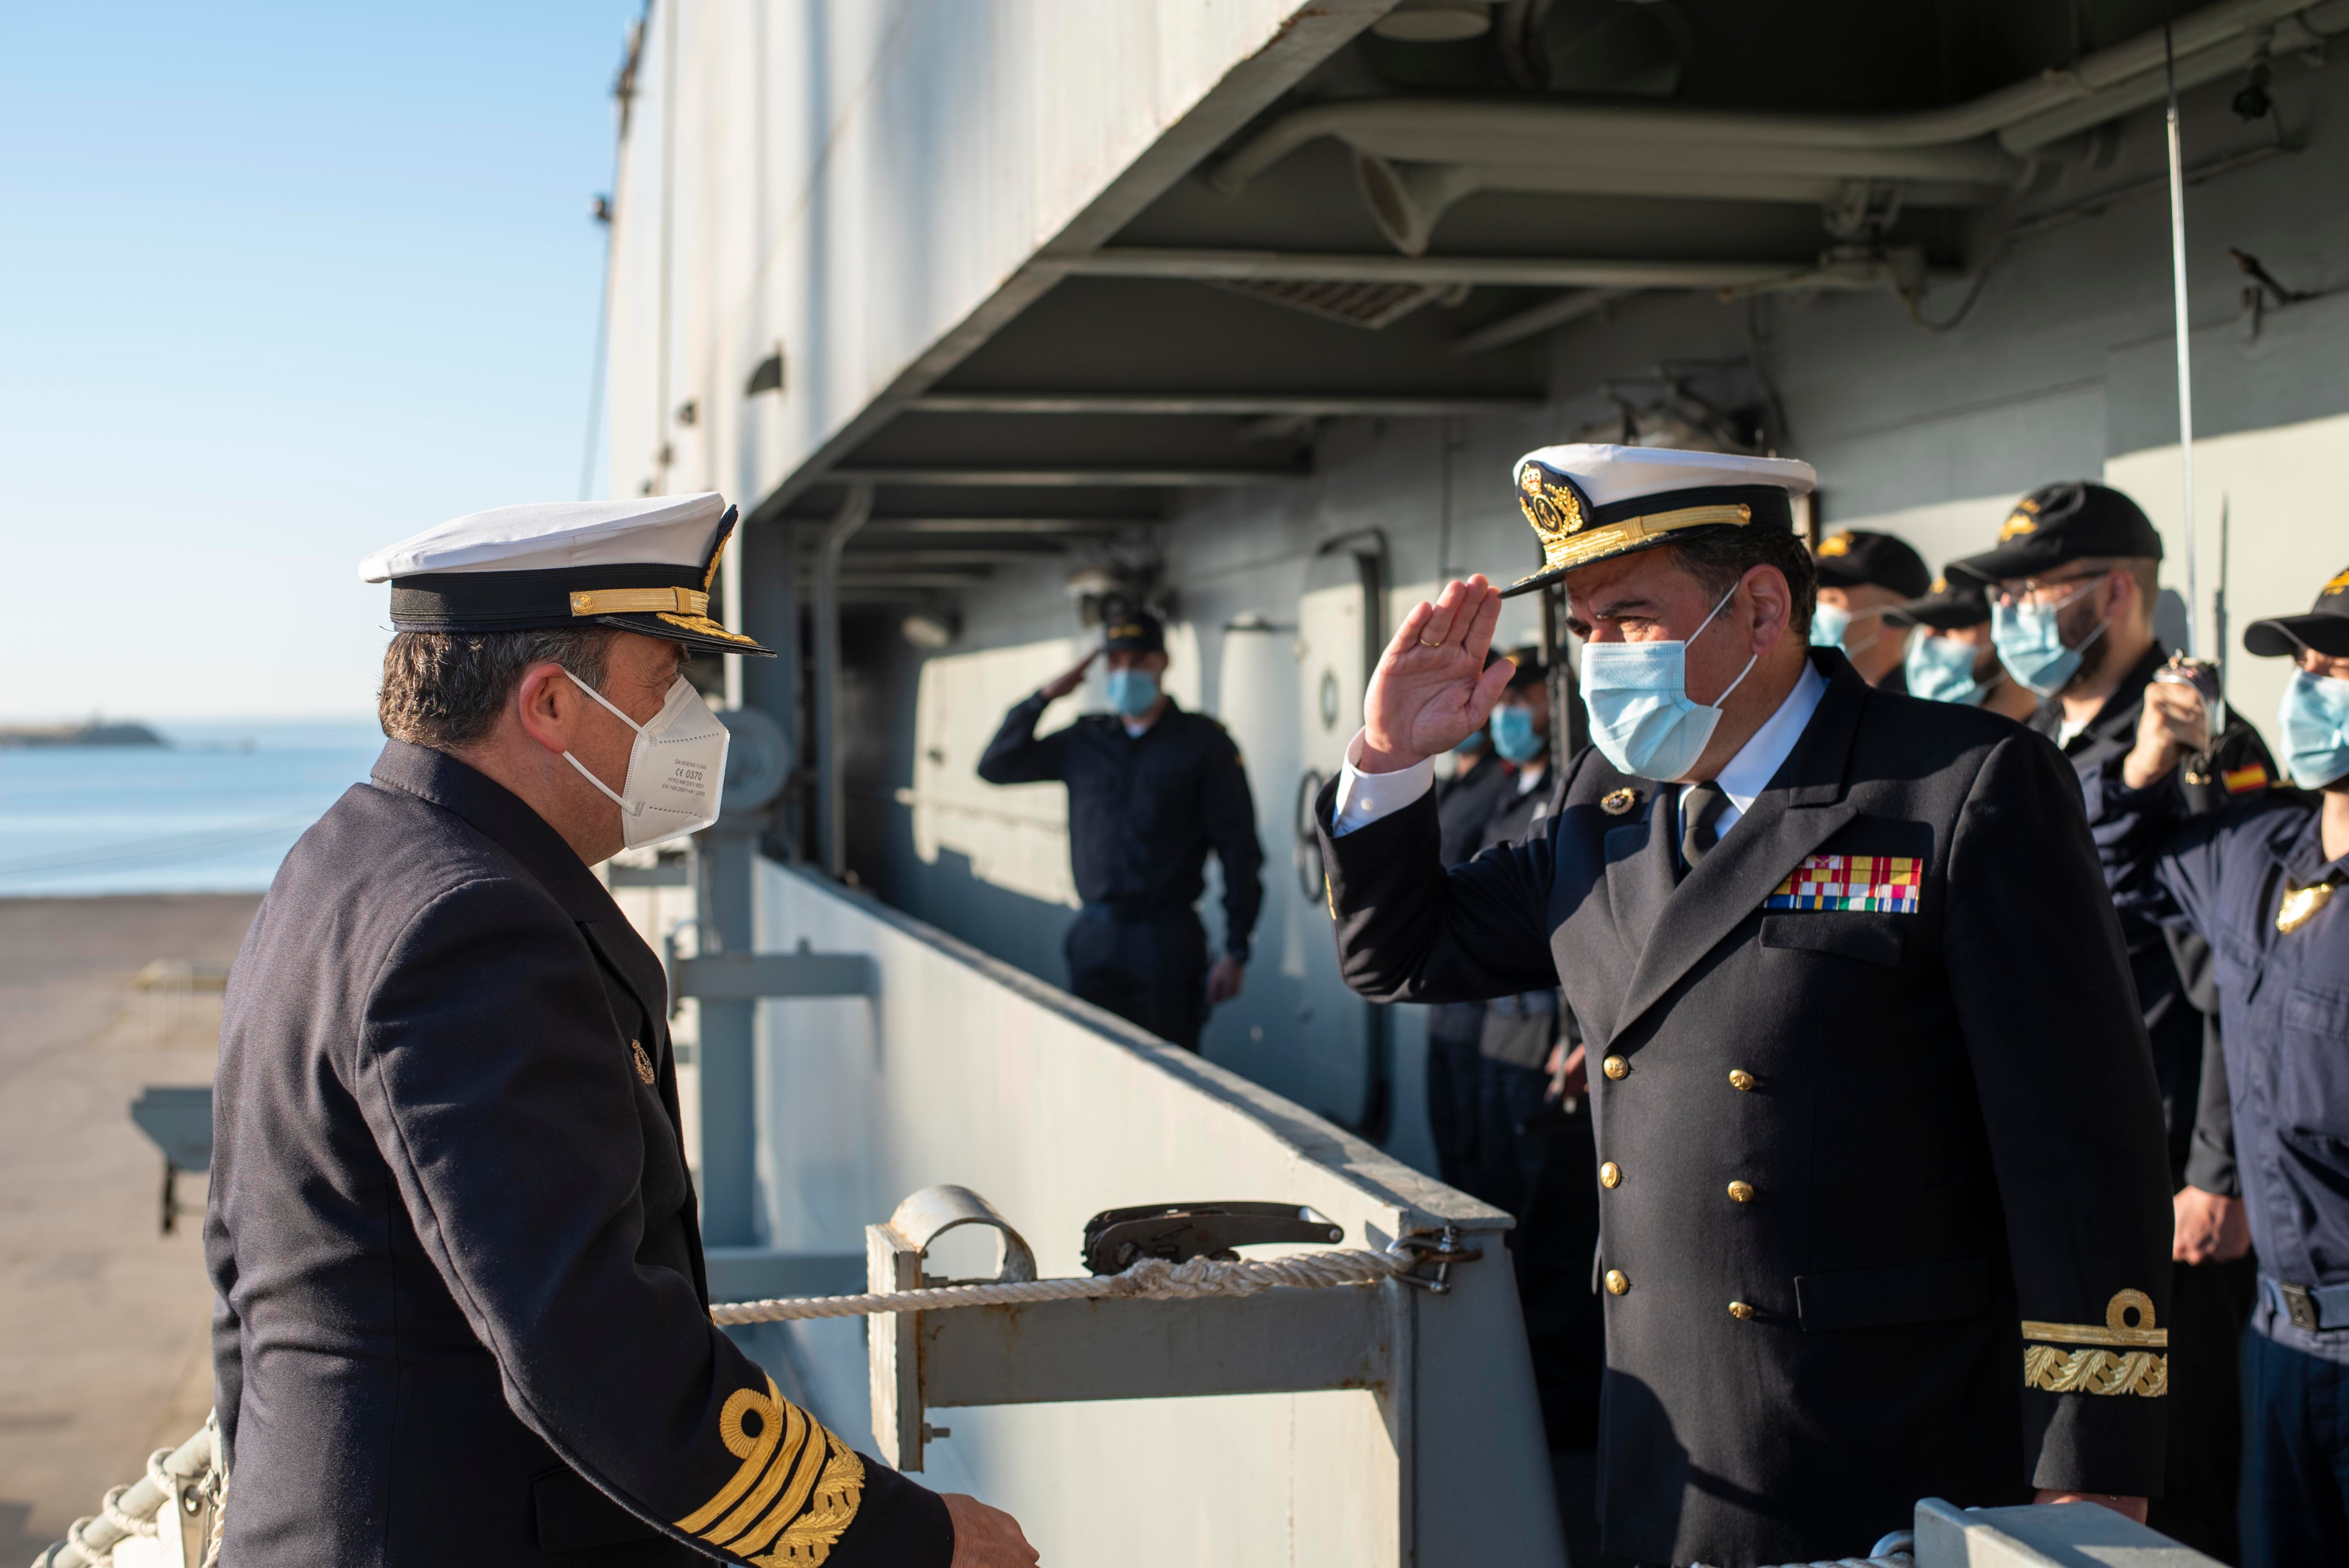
(461, 1315)
(1863, 576)
(1151, 788)
(1883, 1210)
(1950, 658)
(2256, 883)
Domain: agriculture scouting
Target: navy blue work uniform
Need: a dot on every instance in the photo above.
(2285, 1012)
(461, 1316)
(1144, 811)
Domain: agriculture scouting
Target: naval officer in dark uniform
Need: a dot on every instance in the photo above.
(2074, 580)
(1884, 1212)
(2256, 882)
(1151, 788)
(461, 1315)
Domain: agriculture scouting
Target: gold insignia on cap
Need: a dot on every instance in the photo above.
(1562, 521)
(2335, 586)
(1615, 802)
(1940, 586)
(2132, 1364)
(1835, 544)
(2015, 527)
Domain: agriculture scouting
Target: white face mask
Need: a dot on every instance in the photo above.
(676, 769)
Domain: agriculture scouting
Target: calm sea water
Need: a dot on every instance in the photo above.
(214, 812)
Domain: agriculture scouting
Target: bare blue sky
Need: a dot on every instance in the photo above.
(279, 283)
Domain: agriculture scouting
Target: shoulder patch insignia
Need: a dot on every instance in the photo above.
(2242, 780)
(1879, 884)
(1615, 802)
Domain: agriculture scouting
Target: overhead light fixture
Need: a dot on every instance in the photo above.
(927, 630)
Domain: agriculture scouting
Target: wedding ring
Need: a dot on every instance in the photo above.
(1425, 642)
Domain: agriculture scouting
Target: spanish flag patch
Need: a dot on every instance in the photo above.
(1879, 884)
(2244, 779)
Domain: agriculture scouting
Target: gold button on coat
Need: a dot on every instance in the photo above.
(1740, 1311)
(1617, 1282)
(1611, 1174)
(1615, 1068)
(1738, 1078)
(1740, 1192)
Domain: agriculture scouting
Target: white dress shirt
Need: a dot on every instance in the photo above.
(1364, 797)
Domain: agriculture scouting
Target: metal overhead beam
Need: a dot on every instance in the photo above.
(1302, 405)
(1041, 525)
(1313, 31)
(1524, 272)
(1539, 318)
(888, 559)
(1169, 478)
(892, 580)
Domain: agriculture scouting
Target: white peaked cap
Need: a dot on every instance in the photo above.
(652, 530)
(1609, 474)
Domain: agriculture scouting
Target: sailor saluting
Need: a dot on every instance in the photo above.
(460, 1310)
(1884, 1208)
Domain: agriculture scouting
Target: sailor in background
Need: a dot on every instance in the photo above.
(461, 1313)
(2256, 882)
(1480, 784)
(1863, 576)
(1151, 788)
(2073, 581)
(1883, 1210)
(1950, 658)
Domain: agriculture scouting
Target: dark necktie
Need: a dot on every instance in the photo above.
(1701, 810)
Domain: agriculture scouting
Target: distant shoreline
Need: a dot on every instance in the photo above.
(96, 732)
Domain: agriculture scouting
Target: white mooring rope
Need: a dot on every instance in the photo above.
(1150, 1279)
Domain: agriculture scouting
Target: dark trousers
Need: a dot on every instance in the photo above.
(2295, 1456)
(1148, 966)
(2209, 1304)
(1454, 1029)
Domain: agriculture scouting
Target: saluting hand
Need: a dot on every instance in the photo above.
(2173, 725)
(1431, 688)
(1062, 685)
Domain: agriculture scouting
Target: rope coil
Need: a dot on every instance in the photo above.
(1149, 1279)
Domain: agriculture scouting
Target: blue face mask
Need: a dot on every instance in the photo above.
(2313, 719)
(1831, 628)
(1942, 669)
(1131, 692)
(2031, 644)
(1512, 733)
(1641, 717)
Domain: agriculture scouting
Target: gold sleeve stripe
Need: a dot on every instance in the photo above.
(753, 1452)
(796, 1496)
(2129, 1365)
(810, 1539)
(2116, 1328)
(798, 1430)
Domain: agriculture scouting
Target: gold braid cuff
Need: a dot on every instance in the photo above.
(2130, 1366)
(790, 1462)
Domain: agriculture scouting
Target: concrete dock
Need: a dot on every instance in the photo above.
(103, 1321)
